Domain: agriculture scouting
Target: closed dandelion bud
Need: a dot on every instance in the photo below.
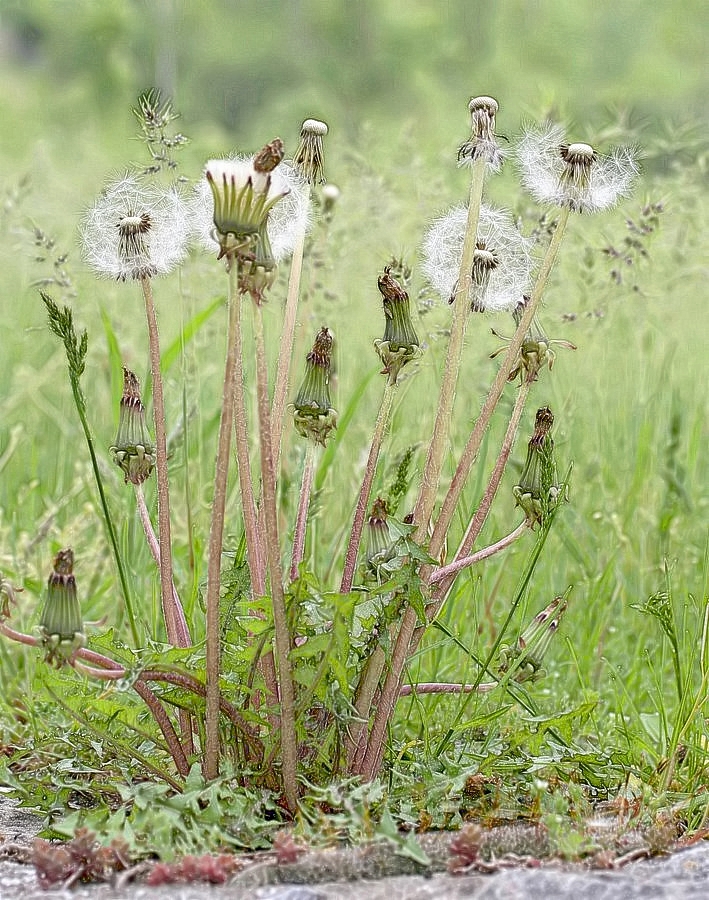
(538, 492)
(133, 450)
(380, 548)
(482, 143)
(536, 351)
(534, 642)
(574, 174)
(400, 343)
(314, 416)
(308, 158)
(60, 625)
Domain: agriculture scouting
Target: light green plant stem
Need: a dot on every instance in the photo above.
(160, 464)
(285, 353)
(301, 521)
(273, 554)
(380, 428)
(392, 685)
(446, 396)
(210, 762)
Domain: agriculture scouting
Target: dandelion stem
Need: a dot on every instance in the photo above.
(363, 499)
(446, 396)
(301, 521)
(285, 353)
(464, 562)
(445, 687)
(210, 763)
(166, 586)
(473, 445)
(273, 552)
(176, 613)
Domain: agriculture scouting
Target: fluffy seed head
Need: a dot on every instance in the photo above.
(502, 263)
(136, 229)
(574, 174)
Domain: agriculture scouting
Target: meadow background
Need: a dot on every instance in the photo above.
(392, 79)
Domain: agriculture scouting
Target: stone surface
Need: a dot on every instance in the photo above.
(684, 874)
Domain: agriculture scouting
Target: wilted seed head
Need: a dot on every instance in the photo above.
(534, 642)
(133, 450)
(136, 229)
(238, 197)
(400, 343)
(380, 547)
(314, 416)
(308, 158)
(574, 174)
(502, 264)
(538, 489)
(536, 351)
(482, 143)
(60, 625)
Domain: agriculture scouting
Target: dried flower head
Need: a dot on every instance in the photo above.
(136, 229)
(400, 343)
(60, 624)
(308, 159)
(538, 491)
(574, 175)
(531, 646)
(380, 546)
(502, 264)
(314, 416)
(482, 143)
(537, 350)
(237, 199)
(133, 450)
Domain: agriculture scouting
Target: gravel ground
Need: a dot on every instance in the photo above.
(328, 875)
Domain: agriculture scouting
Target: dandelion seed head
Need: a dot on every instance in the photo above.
(482, 143)
(502, 262)
(574, 174)
(135, 229)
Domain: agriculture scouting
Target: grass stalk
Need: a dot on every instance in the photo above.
(380, 428)
(273, 553)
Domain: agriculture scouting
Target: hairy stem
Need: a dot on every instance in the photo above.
(280, 618)
(210, 763)
(365, 490)
(464, 562)
(446, 395)
(301, 520)
(161, 464)
(182, 633)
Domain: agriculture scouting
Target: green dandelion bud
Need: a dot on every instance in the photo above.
(133, 450)
(400, 343)
(538, 491)
(536, 351)
(532, 645)
(314, 416)
(308, 158)
(60, 625)
(380, 548)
